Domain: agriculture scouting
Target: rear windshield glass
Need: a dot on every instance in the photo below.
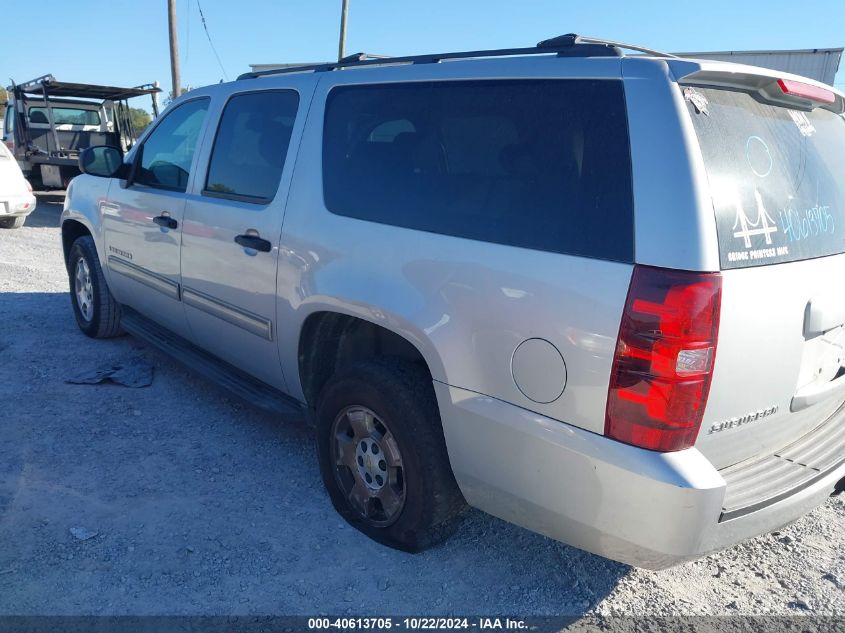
(541, 164)
(777, 177)
(65, 116)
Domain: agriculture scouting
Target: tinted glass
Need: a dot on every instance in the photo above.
(65, 116)
(776, 175)
(251, 145)
(542, 164)
(169, 150)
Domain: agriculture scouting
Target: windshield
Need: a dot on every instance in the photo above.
(776, 176)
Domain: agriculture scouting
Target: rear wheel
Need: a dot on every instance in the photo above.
(67, 174)
(97, 313)
(383, 457)
(13, 223)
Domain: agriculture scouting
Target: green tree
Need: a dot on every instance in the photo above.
(169, 96)
(140, 119)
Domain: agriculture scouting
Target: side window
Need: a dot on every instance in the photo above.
(9, 124)
(540, 164)
(251, 145)
(169, 150)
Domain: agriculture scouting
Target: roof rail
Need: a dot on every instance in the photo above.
(570, 39)
(359, 57)
(566, 48)
(569, 45)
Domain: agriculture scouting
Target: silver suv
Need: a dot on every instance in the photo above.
(596, 295)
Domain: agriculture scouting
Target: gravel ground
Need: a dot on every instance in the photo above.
(192, 502)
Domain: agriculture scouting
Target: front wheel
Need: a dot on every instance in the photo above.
(383, 456)
(97, 313)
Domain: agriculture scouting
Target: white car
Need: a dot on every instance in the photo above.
(16, 199)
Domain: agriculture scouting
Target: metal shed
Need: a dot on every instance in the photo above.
(817, 63)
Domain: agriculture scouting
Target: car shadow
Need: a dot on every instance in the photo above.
(48, 210)
(204, 504)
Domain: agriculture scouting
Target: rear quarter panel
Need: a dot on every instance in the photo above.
(466, 305)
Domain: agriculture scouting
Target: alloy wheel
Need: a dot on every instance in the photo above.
(368, 465)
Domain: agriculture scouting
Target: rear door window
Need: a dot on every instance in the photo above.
(251, 146)
(540, 164)
(777, 177)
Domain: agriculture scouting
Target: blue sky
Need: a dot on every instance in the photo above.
(125, 43)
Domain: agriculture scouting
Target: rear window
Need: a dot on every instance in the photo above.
(65, 116)
(777, 177)
(541, 164)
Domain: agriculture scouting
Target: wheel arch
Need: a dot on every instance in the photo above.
(331, 339)
(72, 230)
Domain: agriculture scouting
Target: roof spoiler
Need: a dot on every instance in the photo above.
(769, 85)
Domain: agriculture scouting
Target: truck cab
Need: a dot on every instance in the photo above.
(48, 123)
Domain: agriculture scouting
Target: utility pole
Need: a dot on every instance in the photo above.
(342, 46)
(174, 48)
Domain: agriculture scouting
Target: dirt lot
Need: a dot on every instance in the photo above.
(203, 505)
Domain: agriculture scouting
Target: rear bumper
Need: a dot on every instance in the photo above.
(636, 506)
(17, 205)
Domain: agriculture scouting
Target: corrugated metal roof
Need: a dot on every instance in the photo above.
(817, 63)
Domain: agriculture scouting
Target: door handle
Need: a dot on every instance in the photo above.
(254, 242)
(165, 221)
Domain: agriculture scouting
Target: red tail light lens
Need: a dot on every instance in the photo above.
(664, 358)
(806, 91)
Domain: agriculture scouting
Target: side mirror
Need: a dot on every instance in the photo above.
(103, 161)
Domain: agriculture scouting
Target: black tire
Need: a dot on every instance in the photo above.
(67, 174)
(402, 398)
(101, 317)
(12, 223)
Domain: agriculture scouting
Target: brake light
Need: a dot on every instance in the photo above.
(806, 91)
(664, 358)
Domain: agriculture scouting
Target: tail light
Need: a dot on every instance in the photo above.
(806, 91)
(664, 358)
(28, 185)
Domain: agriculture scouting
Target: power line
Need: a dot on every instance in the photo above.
(208, 35)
